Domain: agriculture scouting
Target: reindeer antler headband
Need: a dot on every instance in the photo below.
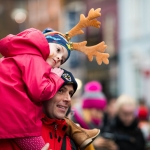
(91, 51)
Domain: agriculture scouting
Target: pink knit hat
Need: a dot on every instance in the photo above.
(93, 96)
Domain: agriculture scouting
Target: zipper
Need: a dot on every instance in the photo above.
(55, 128)
(55, 135)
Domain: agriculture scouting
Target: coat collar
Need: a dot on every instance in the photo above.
(49, 121)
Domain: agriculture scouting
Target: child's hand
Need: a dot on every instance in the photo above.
(46, 147)
(57, 71)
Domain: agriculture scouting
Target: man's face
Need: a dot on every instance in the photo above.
(127, 114)
(59, 104)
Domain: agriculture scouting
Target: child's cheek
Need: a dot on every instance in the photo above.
(51, 55)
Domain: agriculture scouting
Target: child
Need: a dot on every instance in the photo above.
(27, 79)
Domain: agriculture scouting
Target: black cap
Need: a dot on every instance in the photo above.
(69, 79)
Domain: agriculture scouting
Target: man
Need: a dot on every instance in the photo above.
(59, 131)
(54, 125)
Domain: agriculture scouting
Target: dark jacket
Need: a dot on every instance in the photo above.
(127, 138)
(54, 132)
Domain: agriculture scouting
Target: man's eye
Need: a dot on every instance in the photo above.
(71, 94)
(60, 91)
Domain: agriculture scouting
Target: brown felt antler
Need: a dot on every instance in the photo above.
(91, 51)
(90, 20)
(97, 50)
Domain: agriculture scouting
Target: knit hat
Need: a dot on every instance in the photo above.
(93, 96)
(58, 39)
(69, 79)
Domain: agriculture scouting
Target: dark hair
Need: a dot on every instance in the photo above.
(68, 111)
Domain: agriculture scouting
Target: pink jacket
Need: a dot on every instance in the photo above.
(25, 81)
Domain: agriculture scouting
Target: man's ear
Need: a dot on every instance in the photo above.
(68, 111)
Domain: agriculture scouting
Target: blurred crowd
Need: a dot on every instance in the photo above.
(123, 121)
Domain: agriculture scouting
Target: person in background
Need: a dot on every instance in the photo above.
(110, 111)
(124, 130)
(90, 112)
(144, 125)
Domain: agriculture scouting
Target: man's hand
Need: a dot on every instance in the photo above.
(112, 145)
(57, 71)
(46, 147)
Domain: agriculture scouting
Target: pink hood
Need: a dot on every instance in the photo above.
(30, 41)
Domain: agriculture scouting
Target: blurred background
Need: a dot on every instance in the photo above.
(125, 28)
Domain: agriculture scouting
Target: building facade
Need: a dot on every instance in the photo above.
(134, 48)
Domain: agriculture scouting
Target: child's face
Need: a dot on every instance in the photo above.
(58, 55)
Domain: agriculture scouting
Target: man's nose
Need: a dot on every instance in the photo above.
(67, 98)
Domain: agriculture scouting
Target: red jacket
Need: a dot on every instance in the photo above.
(8, 144)
(25, 81)
(54, 132)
